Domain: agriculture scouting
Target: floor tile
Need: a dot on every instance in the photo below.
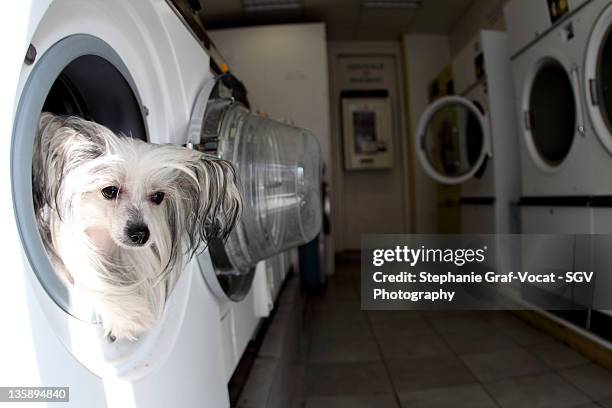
(540, 391)
(557, 355)
(502, 364)
(523, 334)
(472, 396)
(593, 380)
(477, 342)
(500, 318)
(367, 401)
(339, 312)
(299, 382)
(325, 350)
(429, 372)
(413, 347)
(461, 324)
(437, 314)
(392, 315)
(346, 379)
(397, 328)
(340, 329)
(257, 389)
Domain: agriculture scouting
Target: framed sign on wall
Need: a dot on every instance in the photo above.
(367, 130)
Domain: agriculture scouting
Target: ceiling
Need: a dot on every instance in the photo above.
(346, 19)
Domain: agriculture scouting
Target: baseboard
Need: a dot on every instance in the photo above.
(591, 346)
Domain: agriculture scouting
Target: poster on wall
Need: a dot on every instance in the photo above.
(367, 130)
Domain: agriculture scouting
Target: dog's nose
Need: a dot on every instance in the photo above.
(138, 234)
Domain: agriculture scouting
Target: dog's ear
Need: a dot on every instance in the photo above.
(61, 145)
(213, 200)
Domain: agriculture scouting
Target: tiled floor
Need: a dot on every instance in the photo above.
(354, 359)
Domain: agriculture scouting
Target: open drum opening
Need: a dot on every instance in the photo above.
(552, 113)
(79, 75)
(452, 140)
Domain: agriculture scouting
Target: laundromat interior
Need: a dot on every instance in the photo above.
(196, 193)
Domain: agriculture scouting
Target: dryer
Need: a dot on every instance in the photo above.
(555, 140)
(594, 22)
(469, 140)
(138, 67)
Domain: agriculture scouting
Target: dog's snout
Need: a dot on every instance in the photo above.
(138, 234)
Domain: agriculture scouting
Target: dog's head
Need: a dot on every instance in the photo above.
(126, 193)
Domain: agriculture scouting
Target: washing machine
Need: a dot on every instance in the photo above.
(595, 24)
(469, 139)
(141, 69)
(555, 139)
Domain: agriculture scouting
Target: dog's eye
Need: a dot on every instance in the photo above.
(110, 192)
(157, 198)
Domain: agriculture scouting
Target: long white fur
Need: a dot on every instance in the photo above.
(83, 233)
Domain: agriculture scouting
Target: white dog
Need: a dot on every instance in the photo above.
(120, 217)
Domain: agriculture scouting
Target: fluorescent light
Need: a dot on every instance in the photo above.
(407, 4)
(271, 5)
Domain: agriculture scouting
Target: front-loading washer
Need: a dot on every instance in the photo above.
(469, 139)
(554, 137)
(134, 67)
(120, 64)
(594, 26)
(555, 158)
(595, 23)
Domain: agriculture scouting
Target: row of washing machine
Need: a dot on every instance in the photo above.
(143, 68)
(529, 136)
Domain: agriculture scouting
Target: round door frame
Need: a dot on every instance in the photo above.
(204, 134)
(44, 74)
(424, 120)
(602, 29)
(579, 130)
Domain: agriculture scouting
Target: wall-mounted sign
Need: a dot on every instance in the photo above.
(367, 130)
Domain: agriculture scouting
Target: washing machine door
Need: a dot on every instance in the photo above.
(278, 171)
(552, 117)
(598, 75)
(453, 140)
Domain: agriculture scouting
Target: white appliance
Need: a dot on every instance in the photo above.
(556, 140)
(555, 154)
(594, 22)
(470, 139)
(136, 67)
(528, 20)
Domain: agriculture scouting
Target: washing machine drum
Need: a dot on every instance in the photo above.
(551, 115)
(453, 141)
(62, 82)
(278, 168)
